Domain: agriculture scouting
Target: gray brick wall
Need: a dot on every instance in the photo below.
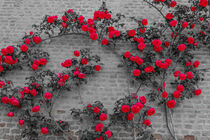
(191, 119)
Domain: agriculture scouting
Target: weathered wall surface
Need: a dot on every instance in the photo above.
(191, 119)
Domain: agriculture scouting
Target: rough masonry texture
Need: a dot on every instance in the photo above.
(191, 119)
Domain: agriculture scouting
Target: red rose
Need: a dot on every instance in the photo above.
(33, 92)
(147, 122)
(188, 64)
(81, 19)
(125, 108)
(3, 51)
(203, 3)
(67, 63)
(166, 43)
(108, 133)
(24, 48)
(201, 18)
(181, 47)
(144, 22)
(173, 23)
(64, 18)
(51, 19)
(151, 111)
(196, 44)
(130, 116)
(96, 110)
(182, 76)
(189, 75)
(93, 36)
(192, 26)
(157, 48)
(142, 30)
(104, 42)
(141, 46)
(139, 61)
(103, 117)
(171, 104)
(184, 24)
(26, 90)
(37, 39)
(21, 122)
(149, 69)
(81, 75)
(10, 114)
(198, 92)
(70, 11)
(44, 130)
(169, 16)
(84, 28)
(64, 25)
(196, 63)
(140, 40)
(140, 105)
(97, 68)
(10, 49)
(35, 109)
(177, 94)
(117, 33)
(99, 127)
(84, 61)
(156, 42)
(102, 15)
(111, 29)
(2, 83)
(76, 53)
(27, 41)
(9, 60)
(168, 61)
(177, 73)
(136, 72)
(35, 67)
(131, 33)
(47, 95)
(190, 40)
(135, 109)
(5, 100)
(127, 54)
(108, 16)
(142, 99)
(173, 4)
(43, 61)
(164, 94)
(193, 8)
(180, 88)
(66, 77)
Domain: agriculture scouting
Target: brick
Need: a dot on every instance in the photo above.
(189, 137)
(157, 136)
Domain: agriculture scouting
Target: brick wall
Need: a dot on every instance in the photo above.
(191, 119)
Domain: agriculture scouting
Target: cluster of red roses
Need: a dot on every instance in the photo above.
(37, 63)
(102, 117)
(130, 110)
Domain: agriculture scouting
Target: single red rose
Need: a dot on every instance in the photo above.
(189, 75)
(177, 73)
(76, 53)
(127, 54)
(94, 36)
(70, 11)
(43, 61)
(136, 72)
(151, 111)
(182, 76)
(166, 43)
(26, 90)
(35, 67)
(10, 50)
(67, 63)
(47, 96)
(37, 39)
(158, 48)
(173, 4)
(193, 9)
(140, 105)
(203, 3)
(66, 77)
(139, 61)
(180, 88)
(147, 122)
(164, 94)
(131, 33)
(102, 15)
(81, 75)
(33, 92)
(5, 100)
(1, 69)
(111, 29)
(141, 30)
(64, 18)
(192, 26)
(102, 117)
(171, 104)
(99, 127)
(24, 48)
(10, 114)
(188, 64)
(35, 109)
(177, 94)
(181, 47)
(144, 22)
(84, 61)
(142, 99)
(51, 19)
(156, 42)
(97, 68)
(173, 23)
(125, 108)
(64, 25)
(198, 92)
(201, 18)
(169, 16)
(108, 16)
(44, 130)
(96, 110)
(108, 133)
(196, 64)
(135, 109)
(20, 122)
(104, 42)
(184, 24)
(27, 41)
(190, 40)
(130, 116)
(141, 46)
(140, 40)
(84, 28)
